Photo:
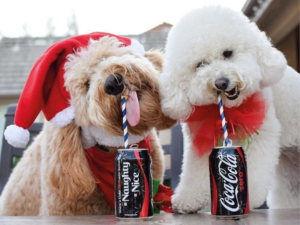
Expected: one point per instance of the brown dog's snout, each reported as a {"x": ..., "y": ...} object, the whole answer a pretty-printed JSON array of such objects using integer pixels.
[
  {"x": 114, "y": 84},
  {"x": 222, "y": 83}
]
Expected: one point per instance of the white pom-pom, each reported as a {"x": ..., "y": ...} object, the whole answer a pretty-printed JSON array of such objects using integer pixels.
[
  {"x": 137, "y": 47},
  {"x": 63, "y": 118},
  {"x": 16, "y": 136}
]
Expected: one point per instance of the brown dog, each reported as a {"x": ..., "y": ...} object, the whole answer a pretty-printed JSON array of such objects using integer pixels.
[{"x": 54, "y": 176}]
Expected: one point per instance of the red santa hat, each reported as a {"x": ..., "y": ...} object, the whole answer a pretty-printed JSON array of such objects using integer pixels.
[{"x": 44, "y": 89}]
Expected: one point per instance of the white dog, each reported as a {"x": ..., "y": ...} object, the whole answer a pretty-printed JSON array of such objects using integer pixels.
[{"x": 215, "y": 48}]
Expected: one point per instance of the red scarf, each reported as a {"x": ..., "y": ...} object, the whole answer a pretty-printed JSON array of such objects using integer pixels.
[
  {"x": 243, "y": 121},
  {"x": 102, "y": 166}
]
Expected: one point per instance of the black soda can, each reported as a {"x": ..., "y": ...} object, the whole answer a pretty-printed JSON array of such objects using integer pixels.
[
  {"x": 228, "y": 182},
  {"x": 133, "y": 184}
]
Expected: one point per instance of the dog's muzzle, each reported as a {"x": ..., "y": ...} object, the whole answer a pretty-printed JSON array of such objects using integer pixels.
[
  {"x": 114, "y": 84},
  {"x": 222, "y": 84}
]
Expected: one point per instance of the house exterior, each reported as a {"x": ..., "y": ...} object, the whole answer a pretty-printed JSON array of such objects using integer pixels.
[
  {"x": 17, "y": 58},
  {"x": 280, "y": 20}
]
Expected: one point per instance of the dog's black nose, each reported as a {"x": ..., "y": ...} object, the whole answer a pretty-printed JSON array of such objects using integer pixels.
[
  {"x": 114, "y": 84},
  {"x": 222, "y": 83}
]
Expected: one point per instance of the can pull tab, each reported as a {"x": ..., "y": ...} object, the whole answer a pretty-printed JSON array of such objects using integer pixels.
[
  {"x": 229, "y": 143},
  {"x": 134, "y": 146}
]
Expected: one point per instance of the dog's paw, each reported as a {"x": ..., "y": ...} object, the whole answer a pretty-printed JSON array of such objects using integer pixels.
[{"x": 187, "y": 203}]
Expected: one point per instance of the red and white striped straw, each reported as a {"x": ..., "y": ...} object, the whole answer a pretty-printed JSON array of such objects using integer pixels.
[{"x": 226, "y": 138}]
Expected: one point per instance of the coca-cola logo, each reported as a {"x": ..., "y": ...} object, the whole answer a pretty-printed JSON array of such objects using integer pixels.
[{"x": 229, "y": 200}]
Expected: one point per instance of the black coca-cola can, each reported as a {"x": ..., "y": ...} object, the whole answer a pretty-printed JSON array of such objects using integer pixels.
[
  {"x": 228, "y": 182},
  {"x": 133, "y": 184}
]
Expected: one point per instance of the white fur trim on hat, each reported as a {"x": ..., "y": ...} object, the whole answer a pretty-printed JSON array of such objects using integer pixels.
[
  {"x": 93, "y": 135},
  {"x": 137, "y": 47},
  {"x": 64, "y": 117},
  {"x": 88, "y": 139},
  {"x": 16, "y": 136}
]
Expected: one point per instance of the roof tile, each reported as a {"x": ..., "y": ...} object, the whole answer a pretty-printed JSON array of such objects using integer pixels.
[{"x": 19, "y": 54}]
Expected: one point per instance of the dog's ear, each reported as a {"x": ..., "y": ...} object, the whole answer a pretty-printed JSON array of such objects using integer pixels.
[
  {"x": 272, "y": 61},
  {"x": 69, "y": 171},
  {"x": 156, "y": 57}
]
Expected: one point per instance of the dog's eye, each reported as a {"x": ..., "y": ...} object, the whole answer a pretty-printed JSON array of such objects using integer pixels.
[
  {"x": 87, "y": 85},
  {"x": 201, "y": 64},
  {"x": 227, "y": 54}
]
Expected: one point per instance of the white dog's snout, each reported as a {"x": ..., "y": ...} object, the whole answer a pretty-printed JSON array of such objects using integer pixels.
[
  {"x": 234, "y": 80},
  {"x": 222, "y": 83}
]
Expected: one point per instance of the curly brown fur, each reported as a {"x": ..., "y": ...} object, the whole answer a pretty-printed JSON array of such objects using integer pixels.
[
  {"x": 71, "y": 174},
  {"x": 97, "y": 108},
  {"x": 69, "y": 187},
  {"x": 53, "y": 177}
]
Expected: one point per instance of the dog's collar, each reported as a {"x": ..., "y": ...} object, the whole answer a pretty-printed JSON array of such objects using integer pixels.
[{"x": 103, "y": 148}]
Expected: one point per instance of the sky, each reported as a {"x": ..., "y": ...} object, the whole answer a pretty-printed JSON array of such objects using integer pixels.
[{"x": 21, "y": 17}]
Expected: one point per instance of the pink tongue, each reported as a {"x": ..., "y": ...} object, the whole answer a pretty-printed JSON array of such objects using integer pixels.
[{"x": 133, "y": 109}]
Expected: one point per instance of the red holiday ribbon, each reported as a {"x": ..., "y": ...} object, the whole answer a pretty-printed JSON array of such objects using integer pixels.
[{"x": 242, "y": 121}]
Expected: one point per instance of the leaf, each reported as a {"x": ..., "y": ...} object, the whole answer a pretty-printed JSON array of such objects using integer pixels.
[
  {"x": 16, "y": 159},
  {"x": 160, "y": 202},
  {"x": 220, "y": 143},
  {"x": 156, "y": 210},
  {"x": 155, "y": 186},
  {"x": 249, "y": 141},
  {"x": 244, "y": 142}
]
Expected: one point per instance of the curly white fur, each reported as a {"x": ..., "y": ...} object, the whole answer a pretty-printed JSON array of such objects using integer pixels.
[
  {"x": 254, "y": 64},
  {"x": 202, "y": 36}
]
